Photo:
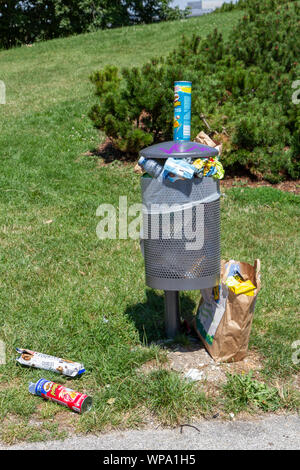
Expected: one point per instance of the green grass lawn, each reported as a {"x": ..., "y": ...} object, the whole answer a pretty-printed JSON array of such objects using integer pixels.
[{"x": 65, "y": 292}]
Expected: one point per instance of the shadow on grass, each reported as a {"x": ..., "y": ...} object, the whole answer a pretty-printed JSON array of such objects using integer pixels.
[
  {"x": 148, "y": 317},
  {"x": 108, "y": 152}
]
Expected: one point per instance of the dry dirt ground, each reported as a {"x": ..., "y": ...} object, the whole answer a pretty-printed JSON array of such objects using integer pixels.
[
  {"x": 183, "y": 358},
  {"x": 289, "y": 186}
]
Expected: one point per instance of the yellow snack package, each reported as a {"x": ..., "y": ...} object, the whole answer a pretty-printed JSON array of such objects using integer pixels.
[
  {"x": 199, "y": 163},
  {"x": 240, "y": 287}
]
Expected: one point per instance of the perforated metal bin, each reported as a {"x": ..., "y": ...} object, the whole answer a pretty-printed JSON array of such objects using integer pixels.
[
  {"x": 181, "y": 243},
  {"x": 174, "y": 213}
]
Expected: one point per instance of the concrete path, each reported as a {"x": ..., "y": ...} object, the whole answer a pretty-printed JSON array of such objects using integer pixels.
[{"x": 272, "y": 432}]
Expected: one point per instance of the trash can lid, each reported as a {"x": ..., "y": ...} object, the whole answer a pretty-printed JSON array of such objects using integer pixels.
[{"x": 179, "y": 149}]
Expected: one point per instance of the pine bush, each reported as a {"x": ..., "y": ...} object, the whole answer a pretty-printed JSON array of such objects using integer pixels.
[{"x": 242, "y": 86}]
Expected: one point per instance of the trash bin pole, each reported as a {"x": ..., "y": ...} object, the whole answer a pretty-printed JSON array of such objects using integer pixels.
[{"x": 172, "y": 313}]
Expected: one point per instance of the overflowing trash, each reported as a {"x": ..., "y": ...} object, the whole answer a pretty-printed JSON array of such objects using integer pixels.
[
  {"x": 178, "y": 168},
  {"x": 52, "y": 391},
  {"x": 205, "y": 160},
  {"x": 183, "y": 168},
  {"x": 54, "y": 364},
  {"x": 237, "y": 283},
  {"x": 209, "y": 167},
  {"x": 152, "y": 167},
  {"x": 225, "y": 313}
]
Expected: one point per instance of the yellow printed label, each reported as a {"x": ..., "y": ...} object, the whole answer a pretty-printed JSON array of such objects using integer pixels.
[{"x": 186, "y": 89}]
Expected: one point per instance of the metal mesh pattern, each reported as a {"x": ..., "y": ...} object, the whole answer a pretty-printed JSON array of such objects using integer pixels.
[
  {"x": 187, "y": 244},
  {"x": 181, "y": 244}
]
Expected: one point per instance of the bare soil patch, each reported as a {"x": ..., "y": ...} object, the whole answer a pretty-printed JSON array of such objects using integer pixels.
[
  {"x": 291, "y": 186},
  {"x": 181, "y": 359}
]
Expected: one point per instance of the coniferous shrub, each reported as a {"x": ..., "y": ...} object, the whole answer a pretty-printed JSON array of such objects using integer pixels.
[{"x": 242, "y": 88}]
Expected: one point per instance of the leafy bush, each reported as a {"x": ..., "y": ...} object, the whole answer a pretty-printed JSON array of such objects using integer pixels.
[{"x": 242, "y": 87}]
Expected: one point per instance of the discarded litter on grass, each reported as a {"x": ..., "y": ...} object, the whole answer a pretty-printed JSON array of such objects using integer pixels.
[
  {"x": 76, "y": 401},
  {"x": 54, "y": 364},
  {"x": 194, "y": 375}
]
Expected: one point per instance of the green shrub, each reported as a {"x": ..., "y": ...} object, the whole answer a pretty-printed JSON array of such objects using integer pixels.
[
  {"x": 120, "y": 112},
  {"x": 242, "y": 86}
]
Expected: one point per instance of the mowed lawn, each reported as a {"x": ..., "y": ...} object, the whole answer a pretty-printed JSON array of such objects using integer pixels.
[{"x": 65, "y": 292}]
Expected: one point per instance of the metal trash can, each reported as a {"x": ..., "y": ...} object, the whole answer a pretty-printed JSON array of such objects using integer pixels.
[{"x": 181, "y": 227}]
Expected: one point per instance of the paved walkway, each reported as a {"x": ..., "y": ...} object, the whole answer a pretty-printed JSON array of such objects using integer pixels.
[{"x": 272, "y": 432}]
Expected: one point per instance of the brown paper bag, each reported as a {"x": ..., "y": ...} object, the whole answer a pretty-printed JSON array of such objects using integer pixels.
[{"x": 223, "y": 321}]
